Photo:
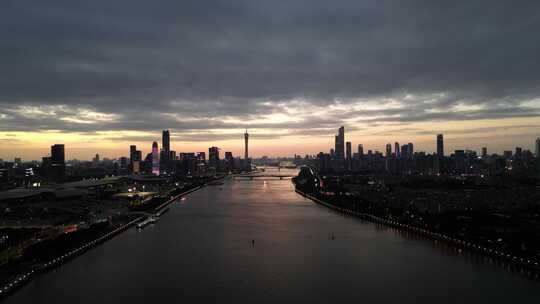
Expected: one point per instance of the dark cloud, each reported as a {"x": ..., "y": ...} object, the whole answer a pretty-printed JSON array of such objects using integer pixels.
[{"x": 217, "y": 61}]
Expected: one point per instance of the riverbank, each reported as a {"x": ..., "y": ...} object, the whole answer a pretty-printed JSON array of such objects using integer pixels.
[
  {"x": 532, "y": 267},
  {"x": 27, "y": 275}
]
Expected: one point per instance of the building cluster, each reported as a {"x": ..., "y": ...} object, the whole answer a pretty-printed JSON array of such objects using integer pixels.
[
  {"x": 403, "y": 159},
  {"x": 159, "y": 162}
]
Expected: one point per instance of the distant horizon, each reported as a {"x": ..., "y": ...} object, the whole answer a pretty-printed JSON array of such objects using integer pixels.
[{"x": 76, "y": 152}]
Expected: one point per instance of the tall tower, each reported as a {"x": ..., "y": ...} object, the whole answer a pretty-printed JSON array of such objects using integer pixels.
[
  {"x": 537, "y": 147},
  {"x": 166, "y": 142},
  {"x": 396, "y": 150},
  {"x": 246, "y": 151},
  {"x": 340, "y": 143},
  {"x": 440, "y": 145},
  {"x": 155, "y": 158}
]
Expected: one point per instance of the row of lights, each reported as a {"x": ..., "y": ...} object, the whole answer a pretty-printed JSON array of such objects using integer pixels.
[
  {"x": 485, "y": 249},
  {"x": 26, "y": 276}
]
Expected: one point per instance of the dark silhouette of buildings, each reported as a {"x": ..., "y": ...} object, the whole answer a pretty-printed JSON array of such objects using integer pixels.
[
  {"x": 340, "y": 143},
  {"x": 57, "y": 169},
  {"x": 440, "y": 145},
  {"x": 213, "y": 157},
  {"x": 246, "y": 152},
  {"x": 166, "y": 142}
]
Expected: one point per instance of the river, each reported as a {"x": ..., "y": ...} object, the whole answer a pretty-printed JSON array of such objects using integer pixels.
[{"x": 202, "y": 251}]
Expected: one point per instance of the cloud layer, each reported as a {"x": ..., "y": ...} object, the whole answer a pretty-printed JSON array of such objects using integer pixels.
[{"x": 280, "y": 68}]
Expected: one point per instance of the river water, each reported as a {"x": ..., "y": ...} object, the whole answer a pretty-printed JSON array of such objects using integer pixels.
[{"x": 202, "y": 251}]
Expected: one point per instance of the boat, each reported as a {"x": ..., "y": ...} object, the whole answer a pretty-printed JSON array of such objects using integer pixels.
[{"x": 148, "y": 220}]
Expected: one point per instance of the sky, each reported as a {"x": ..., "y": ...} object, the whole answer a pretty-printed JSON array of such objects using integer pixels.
[{"x": 101, "y": 75}]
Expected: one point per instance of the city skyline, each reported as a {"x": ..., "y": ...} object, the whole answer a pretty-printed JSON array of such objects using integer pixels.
[
  {"x": 300, "y": 151},
  {"x": 428, "y": 145}
]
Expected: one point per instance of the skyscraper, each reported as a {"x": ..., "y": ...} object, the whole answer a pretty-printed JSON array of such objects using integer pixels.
[
  {"x": 484, "y": 151},
  {"x": 58, "y": 154},
  {"x": 340, "y": 143},
  {"x": 229, "y": 160},
  {"x": 246, "y": 139},
  {"x": 58, "y": 163},
  {"x": 360, "y": 150},
  {"x": 135, "y": 159},
  {"x": 213, "y": 157},
  {"x": 349, "y": 150},
  {"x": 440, "y": 145},
  {"x": 388, "y": 150},
  {"x": 537, "y": 147},
  {"x": 166, "y": 142},
  {"x": 155, "y": 158},
  {"x": 132, "y": 150},
  {"x": 396, "y": 150},
  {"x": 410, "y": 150},
  {"x": 405, "y": 151}
]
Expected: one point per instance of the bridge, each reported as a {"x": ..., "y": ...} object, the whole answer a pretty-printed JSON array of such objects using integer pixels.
[{"x": 263, "y": 176}]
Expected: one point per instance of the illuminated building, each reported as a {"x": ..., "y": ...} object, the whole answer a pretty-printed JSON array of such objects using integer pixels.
[{"x": 155, "y": 159}]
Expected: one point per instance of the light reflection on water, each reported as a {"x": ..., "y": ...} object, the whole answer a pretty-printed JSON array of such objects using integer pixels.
[{"x": 202, "y": 251}]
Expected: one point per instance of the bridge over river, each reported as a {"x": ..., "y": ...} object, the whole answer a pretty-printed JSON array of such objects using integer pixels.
[{"x": 257, "y": 241}]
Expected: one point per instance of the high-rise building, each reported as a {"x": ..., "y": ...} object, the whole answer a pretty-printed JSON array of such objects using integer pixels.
[
  {"x": 132, "y": 150},
  {"x": 396, "y": 150},
  {"x": 58, "y": 154},
  {"x": 405, "y": 151},
  {"x": 340, "y": 143},
  {"x": 484, "y": 151},
  {"x": 349, "y": 150},
  {"x": 213, "y": 157},
  {"x": 410, "y": 150},
  {"x": 58, "y": 163},
  {"x": 229, "y": 160},
  {"x": 155, "y": 158},
  {"x": 537, "y": 147},
  {"x": 246, "y": 140},
  {"x": 440, "y": 145},
  {"x": 166, "y": 141},
  {"x": 360, "y": 150},
  {"x": 388, "y": 150}
]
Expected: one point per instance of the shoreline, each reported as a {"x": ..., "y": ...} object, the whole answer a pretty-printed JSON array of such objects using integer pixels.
[
  {"x": 496, "y": 254},
  {"x": 22, "y": 279}
]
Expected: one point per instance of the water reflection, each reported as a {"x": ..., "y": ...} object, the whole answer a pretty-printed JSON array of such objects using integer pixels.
[{"x": 202, "y": 250}]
